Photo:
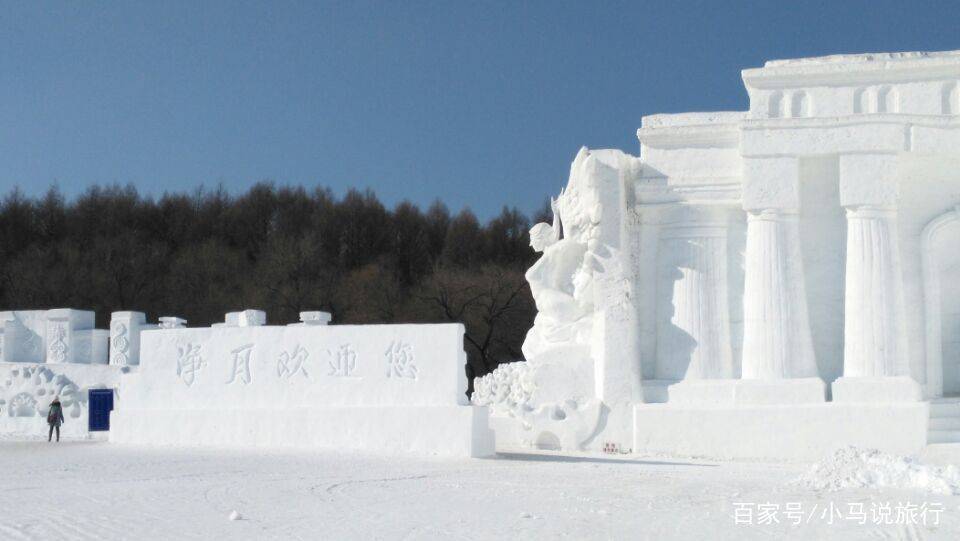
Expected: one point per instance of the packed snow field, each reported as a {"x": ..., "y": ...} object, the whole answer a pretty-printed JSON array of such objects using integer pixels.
[{"x": 97, "y": 490}]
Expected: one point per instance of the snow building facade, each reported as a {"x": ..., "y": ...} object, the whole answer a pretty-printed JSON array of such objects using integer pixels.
[{"x": 767, "y": 282}]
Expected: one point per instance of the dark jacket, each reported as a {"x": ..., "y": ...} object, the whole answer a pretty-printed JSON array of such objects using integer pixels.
[{"x": 55, "y": 416}]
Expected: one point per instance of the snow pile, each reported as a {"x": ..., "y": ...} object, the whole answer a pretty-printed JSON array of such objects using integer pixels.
[{"x": 851, "y": 467}]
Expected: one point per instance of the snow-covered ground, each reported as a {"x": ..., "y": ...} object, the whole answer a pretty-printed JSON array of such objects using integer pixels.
[{"x": 95, "y": 490}]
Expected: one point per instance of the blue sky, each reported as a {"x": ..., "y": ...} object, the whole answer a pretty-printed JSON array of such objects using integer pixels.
[{"x": 478, "y": 104}]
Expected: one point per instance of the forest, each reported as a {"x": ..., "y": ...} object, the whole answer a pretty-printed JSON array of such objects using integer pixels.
[{"x": 279, "y": 249}]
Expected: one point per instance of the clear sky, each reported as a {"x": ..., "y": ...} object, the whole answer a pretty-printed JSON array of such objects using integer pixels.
[{"x": 479, "y": 104}]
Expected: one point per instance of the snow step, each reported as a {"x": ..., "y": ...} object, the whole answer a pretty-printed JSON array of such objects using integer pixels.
[
  {"x": 945, "y": 409},
  {"x": 941, "y": 454},
  {"x": 943, "y": 436},
  {"x": 945, "y": 423}
]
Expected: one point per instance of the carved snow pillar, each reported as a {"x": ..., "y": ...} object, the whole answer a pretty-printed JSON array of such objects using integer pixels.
[
  {"x": 125, "y": 330},
  {"x": 777, "y": 343},
  {"x": 614, "y": 334},
  {"x": 776, "y": 337},
  {"x": 61, "y": 324},
  {"x": 874, "y": 341},
  {"x": 693, "y": 326},
  {"x": 875, "y": 362}
]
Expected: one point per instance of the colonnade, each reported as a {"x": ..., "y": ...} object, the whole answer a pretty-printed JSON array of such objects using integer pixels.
[{"x": 693, "y": 329}]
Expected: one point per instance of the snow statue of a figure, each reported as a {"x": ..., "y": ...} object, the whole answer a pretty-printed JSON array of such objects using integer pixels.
[
  {"x": 563, "y": 308},
  {"x": 576, "y": 282},
  {"x": 773, "y": 282}
]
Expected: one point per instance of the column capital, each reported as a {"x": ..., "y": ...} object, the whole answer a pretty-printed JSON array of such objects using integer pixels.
[
  {"x": 771, "y": 183},
  {"x": 855, "y": 212},
  {"x": 772, "y": 214},
  {"x": 869, "y": 180}
]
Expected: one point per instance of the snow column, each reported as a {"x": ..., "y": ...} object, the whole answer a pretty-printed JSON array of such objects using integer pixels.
[
  {"x": 615, "y": 343},
  {"x": 125, "y": 330},
  {"x": 693, "y": 329},
  {"x": 874, "y": 314},
  {"x": 62, "y": 325},
  {"x": 875, "y": 361},
  {"x": 614, "y": 340},
  {"x": 777, "y": 343}
]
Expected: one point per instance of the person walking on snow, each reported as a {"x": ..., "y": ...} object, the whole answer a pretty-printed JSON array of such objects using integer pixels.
[{"x": 55, "y": 418}]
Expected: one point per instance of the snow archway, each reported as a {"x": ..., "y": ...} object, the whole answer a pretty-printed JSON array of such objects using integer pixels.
[{"x": 941, "y": 252}]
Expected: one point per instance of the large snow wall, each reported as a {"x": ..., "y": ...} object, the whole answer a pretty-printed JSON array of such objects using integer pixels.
[{"x": 380, "y": 388}]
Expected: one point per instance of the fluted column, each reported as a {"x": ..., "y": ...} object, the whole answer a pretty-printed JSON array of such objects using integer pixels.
[
  {"x": 693, "y": 331},
  {"x": 777, "y": 343},
  {"x": 875, "y": 362},
  {"x": 874, "y": 336}
]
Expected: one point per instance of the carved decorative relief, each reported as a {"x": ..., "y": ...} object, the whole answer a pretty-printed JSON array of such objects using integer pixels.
[
  {"x": 23, "y": 405},
  {"x": 58, "y": 343},
  {"x": 120, "y": 344},
  {"x": 26, "y": 391}
]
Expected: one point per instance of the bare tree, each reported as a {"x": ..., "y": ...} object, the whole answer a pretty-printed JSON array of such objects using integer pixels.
[{"x": 493, "y": 303}]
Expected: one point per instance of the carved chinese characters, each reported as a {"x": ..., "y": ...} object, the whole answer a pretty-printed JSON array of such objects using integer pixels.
[
  {"x": 189, "y": 362},
  {"x": 297, "y": 363},
  {"x": 400, "y": 361},
  {"x": 291, "y": 363},
  {"x": 343, "y": 361},
  {"x": 240, "y": 358}
]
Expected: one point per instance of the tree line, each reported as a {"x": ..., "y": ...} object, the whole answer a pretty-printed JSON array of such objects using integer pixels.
[{"x": 279, "y": 249}]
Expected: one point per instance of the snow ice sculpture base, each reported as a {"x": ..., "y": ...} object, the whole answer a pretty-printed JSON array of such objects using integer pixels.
[
  {"x": 736, "y": 392},
  {"x": 876, "y": 390},
  {"x": 800, "y": 432}
]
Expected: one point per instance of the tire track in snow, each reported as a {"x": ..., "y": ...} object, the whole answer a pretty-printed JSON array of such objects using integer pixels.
[{"x": 330, "y": 488}]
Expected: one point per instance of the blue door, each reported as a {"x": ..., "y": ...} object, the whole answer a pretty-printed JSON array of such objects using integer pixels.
[{"x": 100, "y": 403}]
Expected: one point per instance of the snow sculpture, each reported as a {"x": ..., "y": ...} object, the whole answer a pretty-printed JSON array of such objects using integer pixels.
[
  {"x": 508, "y": 390},
  {"x": 560, "y": 282},
  {"x": 26, "y": 391},
  {"x": 60, "y": 335},
  {"x": 578, "y": 283},
  {"x": 50, "y": 353},
  {"x": 705, "y": 293},
  {"x": 22, "y": 336}
]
